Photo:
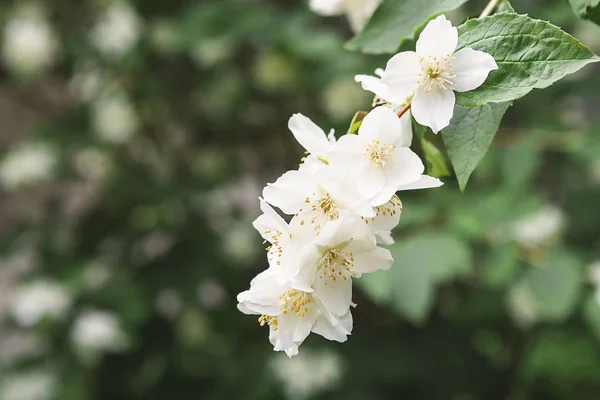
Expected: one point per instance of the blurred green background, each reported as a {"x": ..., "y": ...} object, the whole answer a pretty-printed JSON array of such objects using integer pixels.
[{"x": 135, "y": 139}]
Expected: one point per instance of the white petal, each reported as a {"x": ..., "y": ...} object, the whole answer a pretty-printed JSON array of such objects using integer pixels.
[
  {"x": 292, "y": 330},
  {"x": 471, "y": 68},
  {"x": 346, "y": 155},
  {"x": 438, "y": 39},
  {"x": 290, "y": 190},
  {"x": 382, "y": 124},
  {"x": 327, "y": 7},
  {"x": 402, "y": 74},
  {"x": 425, "y": 182},
  {"x": 403, "y": 168},
  {"x": 335, "y": 294},
  {"x": 308, "y": 134},
  {"x": 376, "y": 259},
  {"x": 312, "y": 165},
  {"x": 369, "y": 180},
  {"x": 338, "y": 332},
  {"x": 373, "y": 84},
  {"x": 407, "y": 132},
  {"x": 384, "y": 195},
  {"x": 433, "y": 109}
]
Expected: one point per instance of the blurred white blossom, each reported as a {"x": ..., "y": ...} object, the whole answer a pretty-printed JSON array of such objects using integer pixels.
[
  {"x": 168, "y": 302},
  {"x": 92, "y": 164},
  {"x": 88, "y": 82},
  {"x": 117, "y": 31},
  {"x": 97, "y": 331},
  {"x": 594, "y": 277},
  {"x": 239, "y": 243},
  {"x": 307, "y": 374},
  {"x": 539, "y": 228},
  {"x": 34, "y": 385},
  {"x": 29, "y": 45},
  {"x": 27, "y": 164},
  {"x": 212, "y": 293},
  {"x": 114, "y": 118},
  {"x": 357, "y": 11},
  {"x": 96, "y": 274},
  {"x": 342, "y": 96},
  {"x": 522, "y": 306},
  {"x": 17, "y": 345},
  {"x": 210, "y": 52},
  {"x": 36, "y": 300}
]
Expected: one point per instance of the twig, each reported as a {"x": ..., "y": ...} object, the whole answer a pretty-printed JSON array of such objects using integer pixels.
[
  {"x": 489, "y": 8},
  {"x": 404, "y": 109}
]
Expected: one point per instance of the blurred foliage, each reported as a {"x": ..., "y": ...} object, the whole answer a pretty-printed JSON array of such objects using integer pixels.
[{"x": 142, "y": 163}]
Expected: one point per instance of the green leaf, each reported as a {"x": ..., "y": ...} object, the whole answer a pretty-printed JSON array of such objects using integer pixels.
[
  {"x": 356, "y": 122},
  {"x": 396, "y": 21},
  {"x": 419, "y": 265},
  {"x": 591, "y": 314},
  {"x": 531, "y": 54},
  {"x": 435, "y": 161},
  {"x": 587, "y": 9},
  {"x": 469, "y": 136},
  {"x": 554, "y": 287}
]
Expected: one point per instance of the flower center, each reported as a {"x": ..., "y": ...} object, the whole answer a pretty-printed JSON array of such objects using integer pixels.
[
  {"x": 391, "y": 208},
  {"x": 436, "y": 73},
  {"x": 324, "y": 206},
  {"x": 295, "y": 301},
  {"x": 268, "y": 320},
  {"x": 275, "y": 250},
  {"x": 327, "y": 206},
  {"x": 336, "y": 263},
  {"x": 379, "y": 153}
]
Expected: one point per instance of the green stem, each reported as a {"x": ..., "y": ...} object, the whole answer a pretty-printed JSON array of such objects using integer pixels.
[{"x": 489, "y": 8}]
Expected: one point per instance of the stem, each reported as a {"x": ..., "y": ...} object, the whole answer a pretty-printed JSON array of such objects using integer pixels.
[
  {"x": 489, "y": 8},
  {"x": 404, "y": 109},
  {"x": 486, "y": 11}
]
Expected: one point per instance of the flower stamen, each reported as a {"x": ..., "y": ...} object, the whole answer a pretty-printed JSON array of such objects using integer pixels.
[
  {"x": 336, "y": 263},
  {"x": 378, "y": 153}
]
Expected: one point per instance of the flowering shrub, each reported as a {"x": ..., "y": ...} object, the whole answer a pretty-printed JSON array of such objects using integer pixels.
[
  {"x": 343, "y": 199},
  {"x": 138, "y": 136}
]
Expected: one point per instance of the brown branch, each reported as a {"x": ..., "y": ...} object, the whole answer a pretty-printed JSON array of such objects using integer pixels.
[{"x": 404, "y": 109}]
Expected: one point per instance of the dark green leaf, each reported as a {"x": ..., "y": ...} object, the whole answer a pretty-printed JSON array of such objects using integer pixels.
[
  {"x": 531, "y": 54},
  {"x": 469, "y": 136},
  {"x": 396, "y": 21}
]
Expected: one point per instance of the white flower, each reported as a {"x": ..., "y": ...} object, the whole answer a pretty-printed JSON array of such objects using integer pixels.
[
  {"x": 34, "y": 301},
  {"x": 378, "y": 160},
  {"x": 33, "y": 385},
  {"x": 538, "y": 228},
  {"x": 96, "y": 331},
  {"x": 375, "y": 85},
  {"x": 308, "y": 374},
  {"x": 435, "y": 71},
  {"x": 357, "y": 11},
  {"x": 387, "y": 217},
  {"x": 28, "y": 164},
  {"x": 313, "y": 139},
  {"x": 282, "y": 251},
  {"x": 340, "y": 252},
  {"x": 290, "y": 313},
  {"x": 29, "y": 45},
  {"x": 117, "y": 31},
  {"x": 316, "y": 199},
  {"x": 382, "y": 91},
  {"x": 114, "y": 118}
]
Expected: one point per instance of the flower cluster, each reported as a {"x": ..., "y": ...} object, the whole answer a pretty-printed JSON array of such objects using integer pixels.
[{"x": 342, "y": 200}]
